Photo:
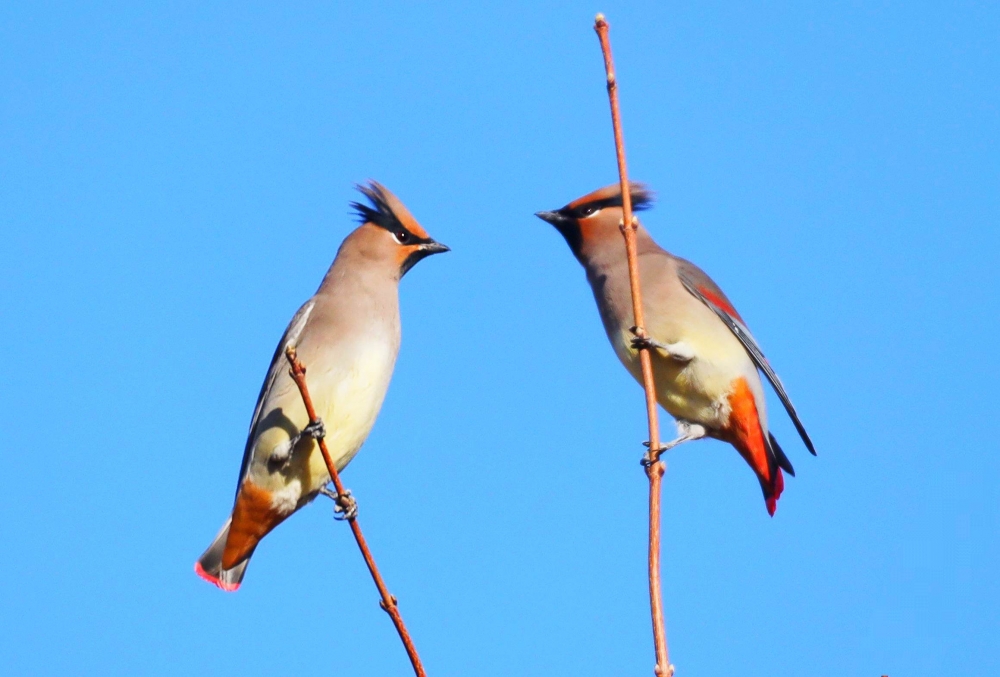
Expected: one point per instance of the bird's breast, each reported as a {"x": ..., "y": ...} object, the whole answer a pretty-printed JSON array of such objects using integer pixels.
[{"x": 350, "y": 395}]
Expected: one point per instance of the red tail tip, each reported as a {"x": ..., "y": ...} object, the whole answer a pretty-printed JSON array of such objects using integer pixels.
[
  {"x": 228, "y": 587},
  {"x": 776, "y": 488}
]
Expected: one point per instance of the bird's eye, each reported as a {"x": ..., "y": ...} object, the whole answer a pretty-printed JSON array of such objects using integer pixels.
[
  {"x": 402, "y": 237},
  {"x": 589, "y": 210}
]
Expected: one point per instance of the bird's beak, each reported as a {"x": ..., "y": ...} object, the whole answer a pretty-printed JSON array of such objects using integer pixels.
[
  {"x": 433, "y": 247},
  {"x": 421, "y": 252},
  {"x": 555, "y": 218}
]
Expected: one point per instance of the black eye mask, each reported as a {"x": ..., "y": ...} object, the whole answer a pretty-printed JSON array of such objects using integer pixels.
[
  {"x": 381, "y": 214},
  {"x": 640, "y": 200}
]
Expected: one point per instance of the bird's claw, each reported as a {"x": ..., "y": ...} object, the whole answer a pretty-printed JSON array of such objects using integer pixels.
[
  {"x": 345, "y": 507},
  {"x": 651, "y": 456},
  {"x": 642, "y": 342},
  {"x": 315, "y": 430},
  {"x": 639, "y": 340},
  {"x": 649, "y": 460},
  {"x": 686, "y": 432}
]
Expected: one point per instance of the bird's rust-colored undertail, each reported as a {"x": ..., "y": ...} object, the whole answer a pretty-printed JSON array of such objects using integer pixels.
[
  {"x": 253, "y": 518},
  {"x": 744, "y": 432}
]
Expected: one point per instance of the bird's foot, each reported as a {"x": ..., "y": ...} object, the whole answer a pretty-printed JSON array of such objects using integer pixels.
[
  {"x": 642, "y": 342},
  {"x": 651, "y": 456},
  {"x": 315, "y": 430},
  {"x": 686, "y": 432},
  {"x": 679, "y": 352},
  {"x": 345, "y": 507}
]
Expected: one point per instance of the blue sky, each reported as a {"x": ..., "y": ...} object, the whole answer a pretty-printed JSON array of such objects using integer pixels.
[{"x": 174, "y": 180}]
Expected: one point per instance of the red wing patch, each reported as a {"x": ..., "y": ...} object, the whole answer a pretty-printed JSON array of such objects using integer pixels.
[{"x": 718, "y": 300}]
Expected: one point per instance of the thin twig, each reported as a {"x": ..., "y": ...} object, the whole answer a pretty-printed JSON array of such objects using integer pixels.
[
  {"x": 654, "y": 467},
  {"x": 388, "y": 602}
]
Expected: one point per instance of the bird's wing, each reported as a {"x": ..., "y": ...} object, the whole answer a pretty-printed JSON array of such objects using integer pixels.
[
  {"x": 278, "y": 362},
  {"x": 704, "y": 289}
]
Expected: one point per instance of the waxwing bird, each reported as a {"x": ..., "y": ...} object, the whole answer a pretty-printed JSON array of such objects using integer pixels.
[
  {"x": 347, "y": 335},
  {"x": 705, "y": 361}
]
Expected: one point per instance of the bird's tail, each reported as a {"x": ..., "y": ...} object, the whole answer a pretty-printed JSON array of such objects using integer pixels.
[
  {"x": 759, "y": 449},
  {"x": 209, "y": 565},
  {"x": 759, "y": 457},
  {"x": 777, "y": 462},
  {"x": 772, "y": 491}
]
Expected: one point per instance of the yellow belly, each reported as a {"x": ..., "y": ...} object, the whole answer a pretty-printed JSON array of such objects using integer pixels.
[
  {"x": 694, "y": 391},
  {"x": 348, "y": 401}
]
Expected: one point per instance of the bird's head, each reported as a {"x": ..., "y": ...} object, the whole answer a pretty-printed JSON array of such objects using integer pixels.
[
  {"x": 389, "y": 233},
  {"x": 594, "y": 219}
]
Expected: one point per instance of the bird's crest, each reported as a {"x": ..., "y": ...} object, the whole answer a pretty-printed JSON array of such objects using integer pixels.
[
  {"x": 386, "y": 211},
  {"x": 611, "y": 196}
]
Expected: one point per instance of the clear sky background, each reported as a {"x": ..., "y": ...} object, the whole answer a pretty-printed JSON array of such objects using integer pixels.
[{"x": 174, "y": 180}]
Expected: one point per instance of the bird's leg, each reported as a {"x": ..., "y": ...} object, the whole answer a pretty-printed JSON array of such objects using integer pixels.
[
  {"x": 679, "y": 352},
  {"x": 345, "y": 507},
  {"x": 686, "y": 432}
]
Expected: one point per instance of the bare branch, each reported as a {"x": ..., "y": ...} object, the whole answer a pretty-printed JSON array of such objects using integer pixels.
[
  {"x": 654, "y": 467},
  {"x": 388, "y": 601}
]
